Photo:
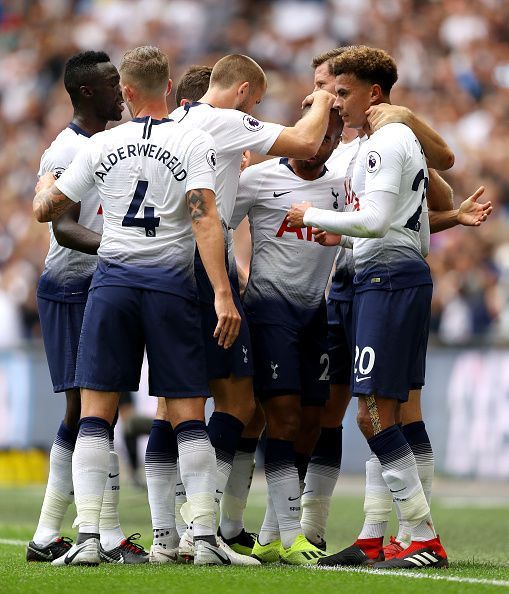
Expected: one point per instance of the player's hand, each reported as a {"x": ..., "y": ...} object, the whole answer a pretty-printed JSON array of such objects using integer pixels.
[
  {"x": 385, "y": 113},
  {"x": 472, "y": 213},
  {"x": 325, "y": 238},
  {"x": 246, "y": 160},
  {"x": 228, "y": 320},
  {"x": 45, "y": 182},
  {"x": 296, "y": 214},
  {"x": 319, "y": 95}
]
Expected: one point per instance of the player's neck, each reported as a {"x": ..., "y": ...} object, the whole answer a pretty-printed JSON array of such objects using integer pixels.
[
  {"x": 89, "y": 122},
  {"x": 219, "y": 98},
  {"x": 155, "y": 109},
  {"x": 305, "y": 172}
]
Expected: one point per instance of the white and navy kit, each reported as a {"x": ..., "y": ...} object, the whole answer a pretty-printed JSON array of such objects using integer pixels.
[
  {"x": 393, "y": 284},
  {"x": 143, "y": 291},
  {"x": 63, "y": 287},
  {"x": 284, "y": 298},
  {"x": 233, "y": 132},
  {"x": 340, "y": 297}
]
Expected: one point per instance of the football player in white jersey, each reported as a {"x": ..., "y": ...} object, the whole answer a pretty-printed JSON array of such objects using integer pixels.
[
  {"x": 156, "y": 184},
  {"x": 392, "y": 296},
  {"x": 92, "y": 83},
  {"x": 237, "y": 84},
  {"x": 325, "y": 462},
  {"x": 165, "y": 498},
  {"x": 284, "y": 303}
]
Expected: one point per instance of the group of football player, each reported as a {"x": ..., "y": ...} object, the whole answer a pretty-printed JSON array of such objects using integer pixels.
[{"x": 142, "y": 260}]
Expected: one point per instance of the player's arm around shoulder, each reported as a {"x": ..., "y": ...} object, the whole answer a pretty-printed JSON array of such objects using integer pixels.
[
  {"x": 437, "y": 152},
  {"x": 54, "y": 197},
  {"x": 49, "y": 202},
  {"x": 70, "y": 234}
]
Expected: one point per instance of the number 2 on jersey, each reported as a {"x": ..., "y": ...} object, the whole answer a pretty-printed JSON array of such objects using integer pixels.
[{"x": 149, "y": 222}]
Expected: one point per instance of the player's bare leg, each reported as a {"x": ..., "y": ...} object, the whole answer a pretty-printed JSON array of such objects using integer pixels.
[
  {"x": 324, "y": 466},
  {"x": 234, "y": 500}
]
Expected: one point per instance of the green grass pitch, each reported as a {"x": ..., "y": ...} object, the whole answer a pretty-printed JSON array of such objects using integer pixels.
[{"x": 476, "y": 538}]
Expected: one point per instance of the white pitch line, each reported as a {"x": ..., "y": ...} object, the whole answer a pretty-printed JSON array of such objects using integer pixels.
[
  {"x": 14, "y": 543},
  {"x": 416, "y": 576}
]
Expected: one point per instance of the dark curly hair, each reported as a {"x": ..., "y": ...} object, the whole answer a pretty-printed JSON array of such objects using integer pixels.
[{"x": 370, "y": 64}]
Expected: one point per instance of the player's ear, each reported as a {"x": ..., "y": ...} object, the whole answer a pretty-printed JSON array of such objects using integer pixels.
[
  {"x": 86, "y": 91},
  {"x": 377, "y": 95},
  {"x": 243, "y": 88},
  {"x": 127, "y": 92},
  {"x": 169, "y": 87}
]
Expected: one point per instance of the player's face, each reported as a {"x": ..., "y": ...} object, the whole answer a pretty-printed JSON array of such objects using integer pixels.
[
  {"x": 251, "y": 100},
  {"x": 107, "y": 95},
  {"x": 323, "y": 79},
  {"x": 353, "y": 98},
  {"x": 329, "y": 143}
]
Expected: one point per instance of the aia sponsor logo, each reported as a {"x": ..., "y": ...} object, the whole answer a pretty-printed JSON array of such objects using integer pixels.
[
  {"x": 305, "y": 233},
  {"x": 350, "y": 196}
]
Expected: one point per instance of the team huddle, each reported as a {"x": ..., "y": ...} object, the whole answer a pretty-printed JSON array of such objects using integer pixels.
[{"x": 142, "y": 260}]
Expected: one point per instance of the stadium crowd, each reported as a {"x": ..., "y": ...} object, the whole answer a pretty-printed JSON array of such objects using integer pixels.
[{"x": 453, "y": 60}]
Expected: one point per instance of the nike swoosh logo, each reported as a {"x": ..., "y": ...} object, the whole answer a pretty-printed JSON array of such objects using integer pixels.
[
  {"x": 113, "y": 475},
  {"x": 223, "y": 558},
  {"x": 398, "y": 491},
  {"x": 278, "y": 194},
  {"x": 68, "y": 558},
  {"x": 295, "y": 498},
  {"x": 362, "y": 379}
]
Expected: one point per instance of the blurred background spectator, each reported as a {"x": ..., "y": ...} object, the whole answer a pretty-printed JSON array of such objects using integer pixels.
[{"x": 453, "y": 58}]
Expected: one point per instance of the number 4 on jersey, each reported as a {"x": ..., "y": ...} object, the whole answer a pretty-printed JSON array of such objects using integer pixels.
[{"x": 149, "y": 222}]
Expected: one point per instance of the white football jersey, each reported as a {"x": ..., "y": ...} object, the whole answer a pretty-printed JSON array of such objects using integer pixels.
[
  {"x": 142, "y": 171},
  {"x": 391, "y": 160},
  {"x": 67, "y": 269},
  {"x": 341, "y": 163},
  {"x": 289, "y": 270},
  {"x": 233, "y": 132}
]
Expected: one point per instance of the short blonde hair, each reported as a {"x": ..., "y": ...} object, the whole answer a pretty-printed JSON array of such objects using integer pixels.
[
  {"x": 328, "y": 56},
  {"x": 370, "y": 64},
  {"x": 236, "y": 68},
  {"x": 147, "y": 68}
]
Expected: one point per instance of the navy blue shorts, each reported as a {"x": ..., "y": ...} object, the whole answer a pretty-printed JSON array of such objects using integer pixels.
[
  {"x": 290, "y": 361},
  {"x": 339, "y": 318},
  {"x": 238, "y": 359},
  {"x": 61, "y": 327},
  {"x": 120, "y": 322},
  {"x": 391, "y": 331}
]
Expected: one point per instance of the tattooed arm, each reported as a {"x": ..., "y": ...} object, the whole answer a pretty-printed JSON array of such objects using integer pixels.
[
  {"x": 49, "y": 202},
  {"x": 210, "y": 240}
]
